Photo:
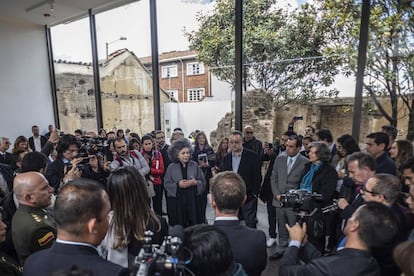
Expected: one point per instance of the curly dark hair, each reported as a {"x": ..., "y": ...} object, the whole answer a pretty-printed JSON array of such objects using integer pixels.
[{"x": 176, "y": 147}]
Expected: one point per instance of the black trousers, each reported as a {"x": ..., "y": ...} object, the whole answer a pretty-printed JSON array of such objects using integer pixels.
[
  {"x": 157, "y": 199},
  {"x": 248, "y": 211},
  {"x": 271, "y": 216}
]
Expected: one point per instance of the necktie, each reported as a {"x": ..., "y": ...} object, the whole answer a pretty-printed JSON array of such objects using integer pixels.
[{"x": 290, "y": 163}]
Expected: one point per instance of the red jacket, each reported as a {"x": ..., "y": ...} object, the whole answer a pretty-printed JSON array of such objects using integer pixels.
[{"x": 156, "y": 165}]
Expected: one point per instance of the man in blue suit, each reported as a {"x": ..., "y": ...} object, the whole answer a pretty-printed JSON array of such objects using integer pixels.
[
  {"x": 81, "y": 213},
  {"x": 228, "y": 193}
]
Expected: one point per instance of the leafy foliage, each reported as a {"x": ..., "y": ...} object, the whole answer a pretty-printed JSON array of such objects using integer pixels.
[
  {"x": 282, "y": 51},
  {"x": 390, "y": 57}
]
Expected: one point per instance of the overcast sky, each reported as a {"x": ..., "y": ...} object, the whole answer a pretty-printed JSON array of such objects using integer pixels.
[{"x": 72, "y": 42}]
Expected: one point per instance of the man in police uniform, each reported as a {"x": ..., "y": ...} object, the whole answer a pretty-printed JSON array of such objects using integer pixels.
[{"x": 33, "y": 229}]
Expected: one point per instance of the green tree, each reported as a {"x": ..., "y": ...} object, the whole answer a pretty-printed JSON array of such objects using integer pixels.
[
  {"x": 390, "y": 58},
  {"x": 282, "y": 51}
]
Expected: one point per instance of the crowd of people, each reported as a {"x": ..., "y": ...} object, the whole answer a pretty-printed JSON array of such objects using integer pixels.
[{"x": 89, "y": 201}]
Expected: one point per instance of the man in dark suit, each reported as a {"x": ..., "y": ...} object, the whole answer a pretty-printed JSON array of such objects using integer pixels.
[
  {"x": 5, "y": 157},
  {"x": 37, "y": 141},
  {"x": 228, "y": 192},
  {"x": 361, "y": 166},
  {"x": 377, "y": 144},
  {"x": 386, "y": 189},
  {"x": 67, "y": 151},
  {"x": 246, "y": 163},
  {"x": 325, "y": 135},
  {"x": 250, "y": 142},
  {"x": 370, "y": 226},
  {"x": 81, "y": 212},
  {"x": 288, "y": 171}
]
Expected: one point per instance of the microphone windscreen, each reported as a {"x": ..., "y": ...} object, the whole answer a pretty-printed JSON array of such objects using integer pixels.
[{"x": 177, "y": 231}]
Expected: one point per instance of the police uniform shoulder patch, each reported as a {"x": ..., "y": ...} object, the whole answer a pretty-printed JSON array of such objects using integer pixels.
[{"x": 46, "y": 238}]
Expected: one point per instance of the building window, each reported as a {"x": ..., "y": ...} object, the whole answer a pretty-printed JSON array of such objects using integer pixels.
[
  {"x": 195, "y": 95},
  {"x": 169, "y": 71},
  {"x": 173, "y": 94},
  {"x": 195, "y": 69}
]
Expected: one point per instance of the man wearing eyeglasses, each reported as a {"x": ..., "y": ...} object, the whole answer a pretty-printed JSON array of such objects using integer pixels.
[
  {"x": 385, "y": 189},
  {"x": 371, "y": 225},
  {"x": 246, "y": 163},
  {"x": 250, "y": 142}
]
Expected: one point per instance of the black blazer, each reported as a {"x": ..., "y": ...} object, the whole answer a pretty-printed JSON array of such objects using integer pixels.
[
  {"x": 61, "y": 257},
  {"x": 43, "y": 141},
  {"x": 247, "y": 244},
  {"x": 324, "y": 182},
  {"x": 348, "y": 261},
  {"x": 55, "y": 173},
  {"x": 249, "y": 170}
]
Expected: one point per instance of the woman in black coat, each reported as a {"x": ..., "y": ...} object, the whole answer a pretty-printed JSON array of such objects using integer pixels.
[{"x": 321, "y": 178}]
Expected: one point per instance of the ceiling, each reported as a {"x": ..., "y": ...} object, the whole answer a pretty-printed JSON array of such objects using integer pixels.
[{"x": 53, "y": 12}]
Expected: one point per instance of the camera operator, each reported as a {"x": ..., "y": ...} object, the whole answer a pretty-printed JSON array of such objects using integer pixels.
[
  {"x": 97, "y": 169},
  {"x": 372, "y": 225},
  {"x": 64, "y": 168}
]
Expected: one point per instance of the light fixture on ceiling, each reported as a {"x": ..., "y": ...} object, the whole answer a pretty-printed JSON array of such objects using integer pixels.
[{"x": 51, "y": 4}]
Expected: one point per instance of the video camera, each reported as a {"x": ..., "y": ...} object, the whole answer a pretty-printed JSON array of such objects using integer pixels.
[
  {"x": 299, "y": 200},
  {"x": 90, "y": 145},
  {"x": 165, "y": 259}
]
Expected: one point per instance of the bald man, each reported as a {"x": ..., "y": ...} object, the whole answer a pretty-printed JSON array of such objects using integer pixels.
[{"x": 32, "y": 228}]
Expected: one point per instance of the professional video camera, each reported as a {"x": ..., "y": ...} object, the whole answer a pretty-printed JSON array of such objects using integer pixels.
[
  {"x": 165, "y": 259},
  {"x": 93, "y": 145},
  {"x": 299, "y": 200}
]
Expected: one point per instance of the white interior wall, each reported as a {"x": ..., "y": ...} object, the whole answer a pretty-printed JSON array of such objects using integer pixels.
[
  {"x": 24, "y": 79},
  {"x": 202, "y": 115}
]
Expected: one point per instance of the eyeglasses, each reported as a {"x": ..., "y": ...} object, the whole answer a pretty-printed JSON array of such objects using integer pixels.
[{"x": 364, "y": 190}]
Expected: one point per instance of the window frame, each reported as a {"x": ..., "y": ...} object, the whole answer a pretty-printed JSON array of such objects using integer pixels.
[
  {"x": 192, "y": 72},
  {"x": 164, "y": 74},
  {"x": 200, "y": 90}
]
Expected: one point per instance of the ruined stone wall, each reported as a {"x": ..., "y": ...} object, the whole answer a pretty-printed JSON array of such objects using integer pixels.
[
  {"x": 334, "y": 114},
  {"x": 126, "y": 92},
  {"x": 337, "y": 115},
  {"x": 76, "y": 102},
  {"x": 127, "y": 99},
  {"x": 257, "y": 112}
]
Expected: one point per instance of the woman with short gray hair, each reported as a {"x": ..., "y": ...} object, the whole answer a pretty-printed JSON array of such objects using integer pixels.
[{"x": 183, "y": 182}]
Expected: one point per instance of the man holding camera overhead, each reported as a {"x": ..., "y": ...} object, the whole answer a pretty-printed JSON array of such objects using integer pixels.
[
  {"x": 287, "y": 173},
  {"x": 64, "y": 168}
]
